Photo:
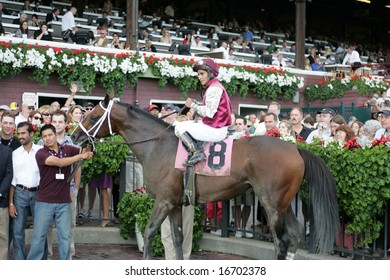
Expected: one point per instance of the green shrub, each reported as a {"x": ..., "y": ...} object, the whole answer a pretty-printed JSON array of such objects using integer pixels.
[
  {"x": 363, "y": 184},
  {"x": 136, "y": 207}
]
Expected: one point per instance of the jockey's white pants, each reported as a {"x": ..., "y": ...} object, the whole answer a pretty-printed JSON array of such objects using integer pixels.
[{"x": 200, "y": 131}]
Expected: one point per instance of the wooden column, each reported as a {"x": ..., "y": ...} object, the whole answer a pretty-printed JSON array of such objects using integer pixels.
[
  {"x": 132, "y": 25},
  {"x": 300, "y": 27}
]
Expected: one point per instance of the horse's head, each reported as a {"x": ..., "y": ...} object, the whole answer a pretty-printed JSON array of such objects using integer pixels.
[{"x": 97, "y": 124}]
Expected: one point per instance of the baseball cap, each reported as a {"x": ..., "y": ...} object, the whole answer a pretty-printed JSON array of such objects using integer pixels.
[
  {"x": 4, "y": 107},
  {"x": 88, "y": 104},
  {"x": 151, "y": 107},
  {"x": 385, "y": 111},
  {"x": 328, "y": 111},
  {"x": 170, "y": 106},
  {"x": 13, "y": 106}
]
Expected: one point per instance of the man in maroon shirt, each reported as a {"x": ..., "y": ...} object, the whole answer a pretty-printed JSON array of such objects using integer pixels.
[{"x": 53, "y": 201}]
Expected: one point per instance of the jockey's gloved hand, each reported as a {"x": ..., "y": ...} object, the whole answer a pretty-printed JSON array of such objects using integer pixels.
[{"x": 188, "y": 103}]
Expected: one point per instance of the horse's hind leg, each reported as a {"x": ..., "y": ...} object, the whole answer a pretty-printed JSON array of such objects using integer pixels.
[
  {"x": 294, "y": 231},
  {"x": 159, "y": 213},
  {"x": 277, "y": 225}
]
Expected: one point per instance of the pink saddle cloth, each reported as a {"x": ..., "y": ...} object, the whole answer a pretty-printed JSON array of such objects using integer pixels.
[{"x": 218, "y": 162}]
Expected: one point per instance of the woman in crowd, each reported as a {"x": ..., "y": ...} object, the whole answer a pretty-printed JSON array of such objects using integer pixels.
[
  {"x": 104, "y": 186},
  {"x": 356, "y": 126},
  {"x": 22, "y": 31},
  {"x": 343, "y": 134},
  {"x": 43, "y": 33},
  {"x": 91, "y": 38},
  {"x": 285, "y": 128},
  {"x": 116, "y": 44},
  {"x": 166, "y": 37},
  {"x": 35, "y": 118},
  {"x": 286, "y": 131},
  {"x": 148, "y": 47},
  {"x": 187, "y": 39},
  {"x": 45, "y": 112},
  {"x": 369, "y": 128},
  {"x": 75, "y": 114},
  {"x": 34, "y": 22},
  {"x": 307, "y": 65},
  {"x": 336, "y": 121}
]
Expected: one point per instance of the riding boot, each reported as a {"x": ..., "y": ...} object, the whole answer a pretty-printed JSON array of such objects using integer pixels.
[{"x": 195, "y": 147}]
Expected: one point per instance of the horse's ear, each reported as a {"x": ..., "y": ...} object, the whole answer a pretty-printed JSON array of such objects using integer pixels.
[{"x": 108, "y": 97}]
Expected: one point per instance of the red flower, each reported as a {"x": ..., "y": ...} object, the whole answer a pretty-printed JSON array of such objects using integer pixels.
[
  {"x": 352, "y": 144},
  {"x": 35, "y": 127},
  {"x": 141, "y": 190},
  {"x": 273, "y": 133},
  {"x": 246, "y": 135},
  {"x": 300, "y": 139},
  {"x": 382, "y": 141}
]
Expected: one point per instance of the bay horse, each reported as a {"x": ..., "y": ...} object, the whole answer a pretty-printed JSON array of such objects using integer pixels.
[{"x": 274, "y": 169}]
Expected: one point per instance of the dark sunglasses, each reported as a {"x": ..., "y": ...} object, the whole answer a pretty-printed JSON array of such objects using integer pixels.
[
  {"x": 45, "y": 114},
  {"x": 37, "y": 118},
  {"x": 31, "y": 107},
  {"x": 89, "y": 109}
]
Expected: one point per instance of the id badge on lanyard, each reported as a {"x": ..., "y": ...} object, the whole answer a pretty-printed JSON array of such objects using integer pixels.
[{"x": 59, "y": 175}]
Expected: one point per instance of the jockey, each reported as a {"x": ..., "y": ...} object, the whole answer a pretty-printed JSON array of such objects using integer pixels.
[{"x": 215, "y": 112}]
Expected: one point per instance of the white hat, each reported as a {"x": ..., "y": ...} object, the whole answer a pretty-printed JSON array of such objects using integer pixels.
[{"x": 4, "y": 107}]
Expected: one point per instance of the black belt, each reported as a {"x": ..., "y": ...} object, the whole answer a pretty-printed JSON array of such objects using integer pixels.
[{"x": 34, "y": 189}]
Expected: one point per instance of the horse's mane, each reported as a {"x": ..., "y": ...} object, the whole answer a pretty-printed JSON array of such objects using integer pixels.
[{"x": 138, "y": 111}]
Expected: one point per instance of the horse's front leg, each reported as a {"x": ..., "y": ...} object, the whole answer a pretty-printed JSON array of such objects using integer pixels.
[
  {"x": 175, "y": 219},
  {"x": 159, "y": 213}
]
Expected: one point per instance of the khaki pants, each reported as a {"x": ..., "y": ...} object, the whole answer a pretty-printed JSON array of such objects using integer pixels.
[
  {"x": 166, "y": 235},
  {"x": 4, "y": 231}
]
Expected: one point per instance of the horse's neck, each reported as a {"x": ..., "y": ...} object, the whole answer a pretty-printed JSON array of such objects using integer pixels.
[{"x": 143, "y": 140}]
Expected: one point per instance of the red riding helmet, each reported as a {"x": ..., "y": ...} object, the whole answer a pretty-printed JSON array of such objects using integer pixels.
[{"x": 206, "y": 64}]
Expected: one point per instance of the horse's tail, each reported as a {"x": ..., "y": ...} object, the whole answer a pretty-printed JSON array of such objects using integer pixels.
[{"x": 323, "y": 196}]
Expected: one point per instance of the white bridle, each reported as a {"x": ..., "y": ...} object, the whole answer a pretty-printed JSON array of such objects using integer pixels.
[{"x": 98, "y": 124}]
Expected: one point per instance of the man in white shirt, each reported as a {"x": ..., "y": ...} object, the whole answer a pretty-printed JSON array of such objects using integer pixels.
[
  {"x": 223, "y": 49},
  {"x": 196, "y": 43},
  {"x": 273, "y": 107},
  {"x": 352, "y": 57},
  {"x": 68, "y": 21},
  {"x": 23, "y": 115},
  {"x": 24, "y": 189},
  {"x": 323, "y": 132}
]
